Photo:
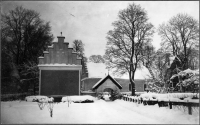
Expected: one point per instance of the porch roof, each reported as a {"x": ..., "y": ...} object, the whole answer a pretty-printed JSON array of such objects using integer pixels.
[{"x": 101, "y": 81}]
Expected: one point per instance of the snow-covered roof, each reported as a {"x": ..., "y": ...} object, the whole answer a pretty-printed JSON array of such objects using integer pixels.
[
  {"x": 96, "y": 69},
  {"x": 101, "y": 81},
  {"x": 98, "y": 82}
]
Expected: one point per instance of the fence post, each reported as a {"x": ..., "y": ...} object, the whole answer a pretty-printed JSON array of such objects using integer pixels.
[
  {"x": 170, "y": 105},
  {"x": 189, "y": 109},
  {"x": 159, "y": 104}
]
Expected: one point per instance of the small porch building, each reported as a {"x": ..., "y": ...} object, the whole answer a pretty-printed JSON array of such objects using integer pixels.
[{"x": 107, "y": 84}]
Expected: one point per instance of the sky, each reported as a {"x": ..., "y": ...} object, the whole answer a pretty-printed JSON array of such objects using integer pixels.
[{"x": 90, "y": 21}]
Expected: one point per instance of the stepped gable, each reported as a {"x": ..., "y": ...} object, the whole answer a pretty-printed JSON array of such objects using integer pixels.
[{"x": 60, "y": 53}]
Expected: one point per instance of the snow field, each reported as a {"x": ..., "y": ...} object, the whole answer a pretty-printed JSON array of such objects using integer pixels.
[
  {"x": 168, "y": 116},
  {"x": 99, "y": 112}
]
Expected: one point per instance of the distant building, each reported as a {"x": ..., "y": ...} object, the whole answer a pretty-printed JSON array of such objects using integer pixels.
[
  {"x": 108, "y": 84},
  {"x": 88, "y": 84}
]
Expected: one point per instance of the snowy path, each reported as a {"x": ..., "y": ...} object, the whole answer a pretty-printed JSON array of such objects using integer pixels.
[
  {"x": 119, "y": 114},
  {"x": 99, "y": 112}
]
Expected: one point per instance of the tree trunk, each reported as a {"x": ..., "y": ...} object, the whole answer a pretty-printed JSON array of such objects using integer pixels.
[
  {"x": 132, "y": 87},
  {"x": 131, "y": 78},
  {"x": 185, "y": 58},
  {"x": 34, "y": 88}
]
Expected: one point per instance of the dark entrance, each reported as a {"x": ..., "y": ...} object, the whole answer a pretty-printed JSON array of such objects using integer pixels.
[
  {"x": 109, "y": 90},
  {"x": 59, "y": 82}
]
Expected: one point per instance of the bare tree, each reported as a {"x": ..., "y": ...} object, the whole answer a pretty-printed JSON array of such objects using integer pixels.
[
  {"x": 180, "y": 34},
  {"x": 157, "y": 63},
  {"x": 96, "y": 59},
  {"x": 24, "y": 38},
  {"x": 78, "y": 47},
  {"x": 149, "y": 56},
  {"x": 131, "y": 31}
]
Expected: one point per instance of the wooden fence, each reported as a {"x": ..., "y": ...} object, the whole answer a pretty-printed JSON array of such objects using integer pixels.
[{"x": 170, "y": 104}]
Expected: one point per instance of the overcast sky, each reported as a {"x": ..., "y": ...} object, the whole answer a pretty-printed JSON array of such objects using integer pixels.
[{"x": 90, "y": 21}]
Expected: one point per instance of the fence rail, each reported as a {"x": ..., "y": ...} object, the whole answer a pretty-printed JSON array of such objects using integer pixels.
[{"x": 189, "y": 105}]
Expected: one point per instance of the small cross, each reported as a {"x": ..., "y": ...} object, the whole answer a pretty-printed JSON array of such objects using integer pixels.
[{"x": 61, "y": 33}]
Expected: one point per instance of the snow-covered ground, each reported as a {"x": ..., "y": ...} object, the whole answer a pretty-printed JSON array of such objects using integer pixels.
[{"x": 99, "y": 112}]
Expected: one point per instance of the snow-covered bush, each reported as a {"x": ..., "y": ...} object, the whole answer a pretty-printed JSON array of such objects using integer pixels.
[
  {"x": 115, "y": 95},
  {"x": 149, "y": 96},
  {"x": 79, "y": 99},
  {"x": 37, "y": 98},
  {"x": 100, "y": 96},
  {"x": 188, "y": 80}
]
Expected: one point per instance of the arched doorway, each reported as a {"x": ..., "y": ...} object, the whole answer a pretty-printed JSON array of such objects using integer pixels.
[{"x": 109, "y": 90}]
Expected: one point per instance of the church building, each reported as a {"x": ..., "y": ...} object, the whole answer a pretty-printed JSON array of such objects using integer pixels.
[{"x": 61, "y": 70}]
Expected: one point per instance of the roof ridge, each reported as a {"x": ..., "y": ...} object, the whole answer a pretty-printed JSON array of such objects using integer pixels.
[{"x": 104, "y": 79}]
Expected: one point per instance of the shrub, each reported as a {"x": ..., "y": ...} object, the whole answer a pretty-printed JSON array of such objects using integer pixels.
[{"x": 115, "y": 95}]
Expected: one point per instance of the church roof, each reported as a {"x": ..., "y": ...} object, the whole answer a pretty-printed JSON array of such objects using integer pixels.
[{"x": 101, "y": 81}]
